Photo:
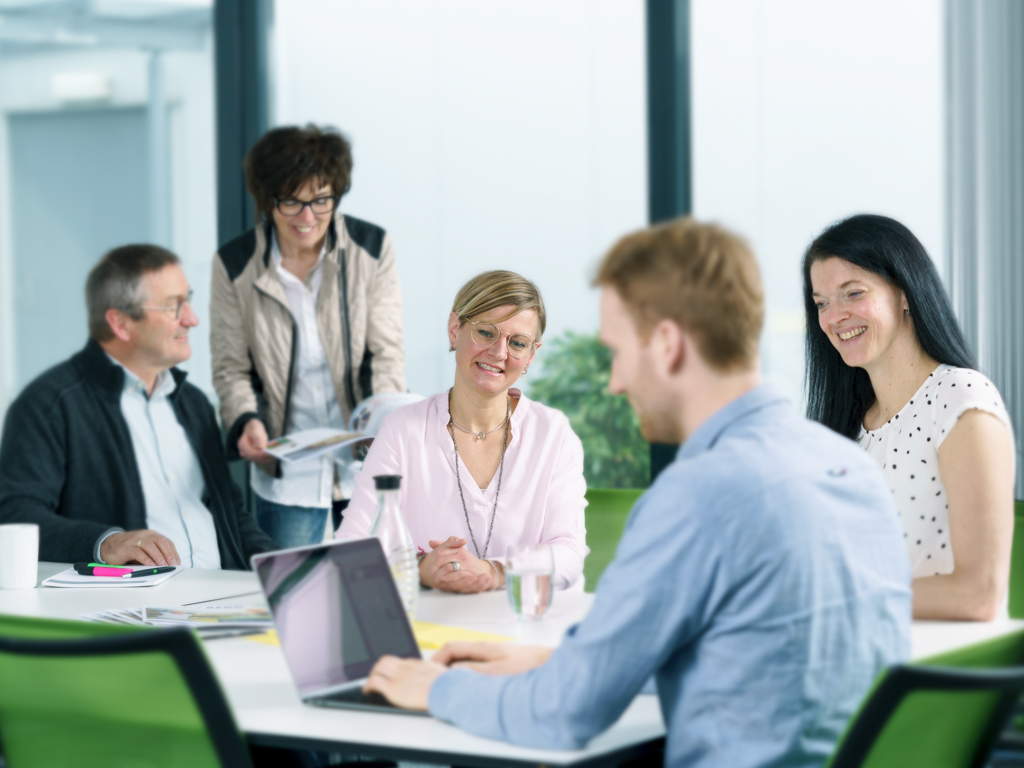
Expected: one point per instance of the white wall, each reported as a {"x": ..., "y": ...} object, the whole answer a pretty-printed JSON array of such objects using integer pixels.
[
  {"x": 485, "y": 135},
  {"x": 805, "y": 112}
]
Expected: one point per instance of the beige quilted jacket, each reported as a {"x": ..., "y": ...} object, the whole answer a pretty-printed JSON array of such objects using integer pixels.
[{"x": 252, "y": 334}]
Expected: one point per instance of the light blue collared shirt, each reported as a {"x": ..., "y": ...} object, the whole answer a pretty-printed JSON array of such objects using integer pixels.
[
  {"x": 172, "y": 479},
  {"x": 762, "y": 581}
]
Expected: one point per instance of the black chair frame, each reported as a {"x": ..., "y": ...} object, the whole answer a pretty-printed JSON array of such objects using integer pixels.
[{"x": 902, "y": 680}]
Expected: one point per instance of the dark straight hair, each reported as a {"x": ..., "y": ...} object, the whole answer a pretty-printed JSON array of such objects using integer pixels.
[{"x": 837, "y": 395}]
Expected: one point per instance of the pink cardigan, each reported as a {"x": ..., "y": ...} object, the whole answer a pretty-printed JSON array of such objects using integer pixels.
[{"x": 541, "y": 490}]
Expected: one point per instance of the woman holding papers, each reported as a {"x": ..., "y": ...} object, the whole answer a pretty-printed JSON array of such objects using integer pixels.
[
  {"x": 306, "y": 321},
  {"x": 888, "y": 366},
  {"x": 483, "y": 467}
]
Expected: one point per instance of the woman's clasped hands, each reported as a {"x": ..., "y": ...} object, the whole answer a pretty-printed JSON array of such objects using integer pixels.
[{"x": 450, "y": 567}]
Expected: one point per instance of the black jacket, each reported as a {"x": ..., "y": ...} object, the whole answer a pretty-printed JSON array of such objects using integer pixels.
[{"x": 67, "y": 463}]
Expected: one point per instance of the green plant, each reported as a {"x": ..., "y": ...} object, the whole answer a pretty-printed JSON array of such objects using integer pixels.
[{"x": 574, "y": 379}]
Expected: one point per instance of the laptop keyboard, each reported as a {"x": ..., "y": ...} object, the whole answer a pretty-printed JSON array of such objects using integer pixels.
[{"x": 355, "y": 696}]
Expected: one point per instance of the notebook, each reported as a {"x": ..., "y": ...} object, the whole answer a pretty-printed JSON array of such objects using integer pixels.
[{"x": 337, "y": 611}]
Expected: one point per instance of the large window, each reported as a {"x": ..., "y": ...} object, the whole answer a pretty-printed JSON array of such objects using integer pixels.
[
  {"x": 106, "y": 138},
  {"x": 807, "y": 112},
  {"x": 485, "y": 135}
]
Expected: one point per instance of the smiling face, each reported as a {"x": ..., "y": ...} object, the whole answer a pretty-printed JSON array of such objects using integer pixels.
[
  {"x": 160, "y": 341},
  {"x": 492, "y": 370},
  {"x": 864, "y": 316},
  {"x": 305, "y": 230}
]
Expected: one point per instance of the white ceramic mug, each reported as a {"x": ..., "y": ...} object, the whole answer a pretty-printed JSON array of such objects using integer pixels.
[{"x": 19, "y": 555}]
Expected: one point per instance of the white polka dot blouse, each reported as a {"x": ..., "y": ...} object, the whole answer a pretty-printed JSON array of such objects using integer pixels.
[{"x": 907, "y": 449}]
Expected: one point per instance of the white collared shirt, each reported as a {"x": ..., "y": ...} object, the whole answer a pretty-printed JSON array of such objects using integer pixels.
[
  {"x": 172, "y": 479},
  {"x": 314, "y": 403}
]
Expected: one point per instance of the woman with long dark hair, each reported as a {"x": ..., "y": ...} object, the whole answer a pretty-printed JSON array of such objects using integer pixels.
[{"x": 888, "y": 366}]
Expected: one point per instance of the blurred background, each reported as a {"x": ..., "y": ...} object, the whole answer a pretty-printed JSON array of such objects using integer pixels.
[{"x": 526, "y": 136}]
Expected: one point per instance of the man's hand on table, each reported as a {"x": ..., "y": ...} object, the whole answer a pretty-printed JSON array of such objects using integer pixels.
[
  {"x": 145, "y": 547},
  {"x": 493, "y": 658},
  {"x": 406, "y": 683},
  {"x": 473, "y": 574}
]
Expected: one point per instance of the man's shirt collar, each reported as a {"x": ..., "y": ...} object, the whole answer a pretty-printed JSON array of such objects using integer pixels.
[
  {"x": 165, "y": 383},
  {"x": 707, "y": 434}
]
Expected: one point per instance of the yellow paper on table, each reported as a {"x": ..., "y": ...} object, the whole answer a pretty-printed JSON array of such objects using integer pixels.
[
  {"x": 265, "y": 638},
  {"x": 429, "y": 637}
]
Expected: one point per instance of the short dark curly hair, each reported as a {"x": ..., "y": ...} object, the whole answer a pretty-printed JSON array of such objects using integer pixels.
[{"x": 286, "y": 158}]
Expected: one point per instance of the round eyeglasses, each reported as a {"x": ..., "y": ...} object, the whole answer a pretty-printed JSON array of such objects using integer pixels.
[
  {"x": 486, "y": 334},
  {"x": 289, "y": 206},
  {"x": 176, "y": 309}
]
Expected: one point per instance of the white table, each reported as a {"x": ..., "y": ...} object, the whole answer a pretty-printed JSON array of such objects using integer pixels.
[
  {"x": 269, "y": 711},
  {"x": 267, "y": 707}
]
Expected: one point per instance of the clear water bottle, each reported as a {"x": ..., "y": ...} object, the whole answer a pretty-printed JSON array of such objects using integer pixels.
[{"x": 396, "y": 541}]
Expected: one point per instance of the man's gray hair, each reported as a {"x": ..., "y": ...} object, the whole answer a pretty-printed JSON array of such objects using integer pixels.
[{"x": 116, "y": 283}]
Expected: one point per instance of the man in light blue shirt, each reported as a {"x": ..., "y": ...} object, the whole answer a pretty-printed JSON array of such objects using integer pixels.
[
  {"x": 172, "y": 479},
  {"x": 761, "y": 580}
]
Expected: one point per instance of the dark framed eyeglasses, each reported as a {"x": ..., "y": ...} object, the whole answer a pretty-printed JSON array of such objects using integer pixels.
[
  {"x": 289, "y": 206},
  {"x": 176, "y": 309},
  {"x": 487, "y": 334}
]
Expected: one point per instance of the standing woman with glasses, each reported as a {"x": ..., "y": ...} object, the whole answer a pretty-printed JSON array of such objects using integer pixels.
[
  {"x": 483, "y": 467},
  {"x": 306, "y": 321}
]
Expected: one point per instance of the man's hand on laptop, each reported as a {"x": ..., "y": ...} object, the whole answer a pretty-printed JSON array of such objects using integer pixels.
[
  {"x": 493, "y": 658},
  {"x": 404, "y": 682},
  {"x": 145, "y": 547}
]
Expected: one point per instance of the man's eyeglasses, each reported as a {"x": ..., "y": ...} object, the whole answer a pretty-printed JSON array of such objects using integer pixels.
[
  {"x": 289, "y": 206},
  {"x": 176, "y": 309},
  {"x": 486, "y": 334}
]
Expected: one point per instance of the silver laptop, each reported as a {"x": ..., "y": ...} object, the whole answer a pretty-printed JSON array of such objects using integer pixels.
[{"x": 337, "y": 611}]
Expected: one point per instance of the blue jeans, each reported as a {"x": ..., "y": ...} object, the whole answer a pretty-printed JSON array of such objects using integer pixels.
[{"x": 291, "y": 526}]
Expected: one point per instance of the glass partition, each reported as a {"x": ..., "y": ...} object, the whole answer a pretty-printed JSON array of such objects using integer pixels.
[
  {"x": 106, "y": 138},
  {"x": 805, "y": 113},
  {"x": 487, "y": 136}
]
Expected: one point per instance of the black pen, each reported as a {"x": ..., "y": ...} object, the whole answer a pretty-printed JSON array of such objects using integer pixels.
[{"x": 148, "y": 571}]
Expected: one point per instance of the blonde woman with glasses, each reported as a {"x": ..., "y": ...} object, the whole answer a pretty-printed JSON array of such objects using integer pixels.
[{"x": 483, "y": 467}]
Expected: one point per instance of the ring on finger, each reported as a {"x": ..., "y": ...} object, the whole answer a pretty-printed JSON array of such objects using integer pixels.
[
  {"x": 139, "y": 545},
  {"x": 456, "y": 566}
]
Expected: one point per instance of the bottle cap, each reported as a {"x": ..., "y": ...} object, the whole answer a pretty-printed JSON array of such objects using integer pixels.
[{"x": 387, "y": 482}]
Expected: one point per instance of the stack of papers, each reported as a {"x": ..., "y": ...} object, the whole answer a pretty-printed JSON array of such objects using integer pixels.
[
  {"x": 73, "y": 579},
  {"x": 210, "y": 620},
  {"x": 310, "y": 443}
]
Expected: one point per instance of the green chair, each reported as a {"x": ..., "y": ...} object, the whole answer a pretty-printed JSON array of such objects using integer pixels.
[
  {"x": 607, "y": 510},
  {"x": 947, "y": 714},
  {"x": 83, "y": 695},
  {"x": 1017, "y": 564}
]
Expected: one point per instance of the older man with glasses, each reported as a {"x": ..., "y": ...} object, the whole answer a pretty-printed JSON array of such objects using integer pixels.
[{"x": 112, "y": 453}]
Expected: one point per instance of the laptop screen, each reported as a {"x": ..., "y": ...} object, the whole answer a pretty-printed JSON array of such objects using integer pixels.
[{"x": 336, "y": 609}]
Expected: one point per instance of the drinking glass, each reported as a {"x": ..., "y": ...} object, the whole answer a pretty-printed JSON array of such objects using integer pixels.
[{"x": 529, "y": 577}]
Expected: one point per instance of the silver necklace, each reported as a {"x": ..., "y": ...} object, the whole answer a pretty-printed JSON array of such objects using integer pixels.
[
  {"x": 501, "y": 469},
  {"x": 479, "y": 435}
]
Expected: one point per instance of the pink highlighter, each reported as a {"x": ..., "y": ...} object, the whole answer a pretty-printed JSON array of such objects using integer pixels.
[
  {"x": 100, "y": 569},
  {"x": 117, "y": 572}
]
